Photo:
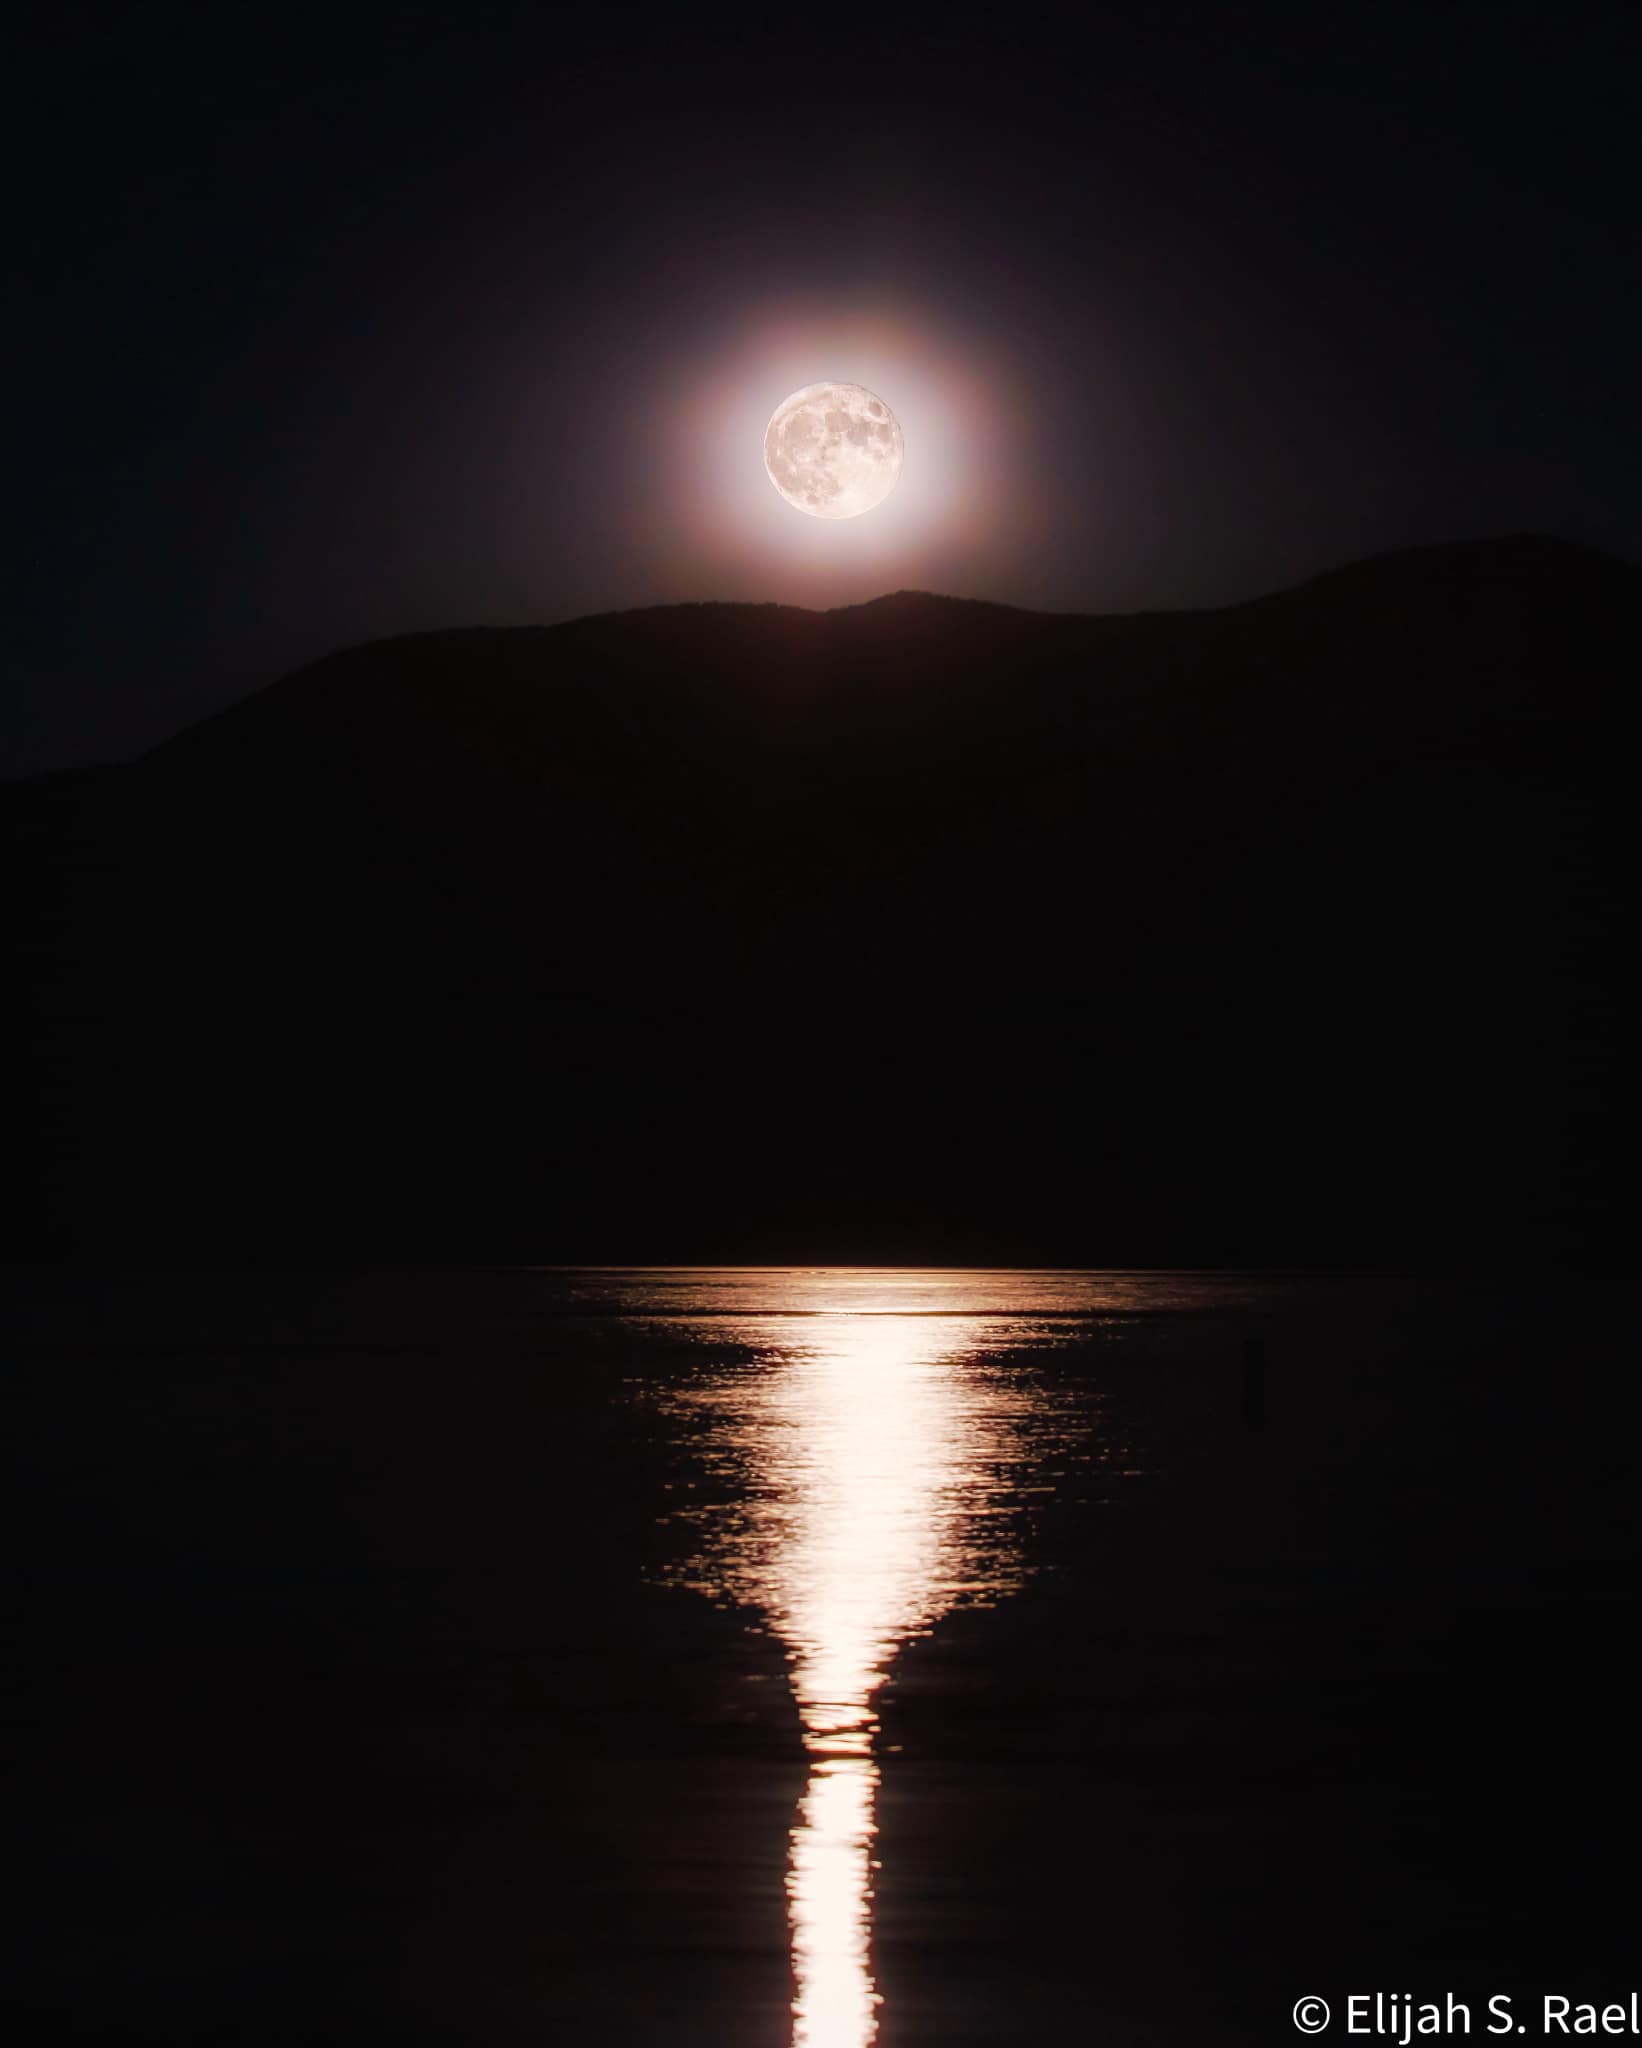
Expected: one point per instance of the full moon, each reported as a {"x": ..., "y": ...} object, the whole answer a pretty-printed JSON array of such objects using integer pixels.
[{"x": 833, "y": 450}]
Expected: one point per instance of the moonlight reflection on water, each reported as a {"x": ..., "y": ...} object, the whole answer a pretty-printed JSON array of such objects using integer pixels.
[{"x": 881, "y": 1461}]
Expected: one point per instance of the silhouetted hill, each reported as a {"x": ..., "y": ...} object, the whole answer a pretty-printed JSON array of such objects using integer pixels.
[{"x": 925, "y": 928}]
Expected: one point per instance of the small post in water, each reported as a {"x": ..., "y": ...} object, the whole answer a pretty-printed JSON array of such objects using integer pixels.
[{"x": 1254, "y": 1382}]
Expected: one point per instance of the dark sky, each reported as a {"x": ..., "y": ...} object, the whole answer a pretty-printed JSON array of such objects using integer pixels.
[{"x": 329, "y": 322}]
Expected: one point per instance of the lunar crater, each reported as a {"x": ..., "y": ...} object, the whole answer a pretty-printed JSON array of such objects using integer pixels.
[{"x": 833, "y": 450}]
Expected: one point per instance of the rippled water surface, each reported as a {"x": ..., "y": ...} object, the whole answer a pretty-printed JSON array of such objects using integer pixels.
[
  {"x": 870, "y": 1449},
  {"x": 401, "y": 1645},
  {"x": 1013, "y": 1299}
]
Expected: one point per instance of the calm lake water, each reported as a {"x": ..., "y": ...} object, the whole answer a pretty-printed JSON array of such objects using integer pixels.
[
  {"x": 870, "y": 1450},
  {"x": 866, "y": 1451},
  {"x": 401, "y": 1655}
]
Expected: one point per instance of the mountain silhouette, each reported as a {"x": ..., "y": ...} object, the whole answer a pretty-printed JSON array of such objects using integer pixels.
[{"x": 926, "y": 928}]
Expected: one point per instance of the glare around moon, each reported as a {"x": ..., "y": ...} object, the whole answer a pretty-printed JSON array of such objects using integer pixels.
[{"x": 833, "y": 450}]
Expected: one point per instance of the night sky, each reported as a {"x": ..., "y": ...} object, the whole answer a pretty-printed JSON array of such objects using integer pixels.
[{"x": 328, "y": 323}]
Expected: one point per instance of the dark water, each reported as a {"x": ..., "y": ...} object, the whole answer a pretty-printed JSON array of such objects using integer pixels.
[
  {"x": 869, "y": 1451},
  {"x": 810, "y": 1657}
]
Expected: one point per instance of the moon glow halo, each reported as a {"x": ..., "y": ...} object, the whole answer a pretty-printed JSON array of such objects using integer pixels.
[{"x": 833, "y": 450}]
